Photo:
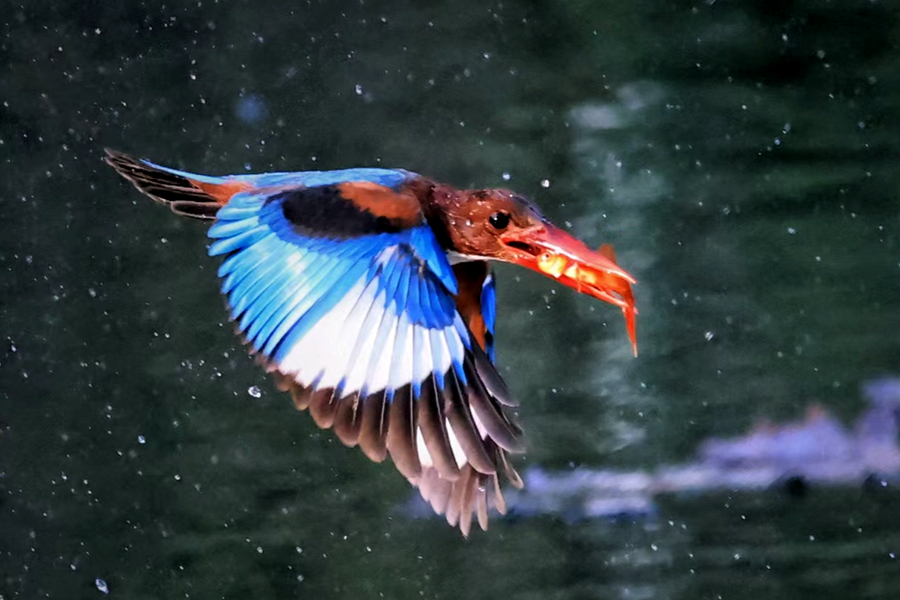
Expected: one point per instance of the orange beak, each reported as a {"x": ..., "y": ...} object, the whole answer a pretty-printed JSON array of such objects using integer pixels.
[{"x": 555, "y": 253}]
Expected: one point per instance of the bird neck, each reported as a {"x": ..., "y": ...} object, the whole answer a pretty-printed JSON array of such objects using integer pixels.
[{"x": 441, "y": 205}]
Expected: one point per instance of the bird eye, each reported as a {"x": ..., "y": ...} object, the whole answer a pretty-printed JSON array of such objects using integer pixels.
[{"x": 499, "y": 220}]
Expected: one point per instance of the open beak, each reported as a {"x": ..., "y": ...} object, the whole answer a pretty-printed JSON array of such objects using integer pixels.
[{"x": 553, "y": 252}]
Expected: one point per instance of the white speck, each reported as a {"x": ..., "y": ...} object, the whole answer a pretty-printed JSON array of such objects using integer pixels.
[
  {"x": 299, "y": 578},
  {"x": 193, "y": 77},
  {"x": 254, "y": 391},
  {"x": 259, "y": 550},
  {"x": 142, "y": 439},
  {"x": 791, "y": 230},
  {"x": 177, "y": 477},
  {"x": 92, "y": 292},
  {"x": 299, "y": 550},
  {"x": 506, "y": 176},
  {"x": 545, "y": 183},
  {"x": 101, "y": 585},
  {"x": 709, "y": 335},
  {"x": 654, "y": 547},
  {"x": 486, "y": 56},
  {"x": 358, "y": 89}
]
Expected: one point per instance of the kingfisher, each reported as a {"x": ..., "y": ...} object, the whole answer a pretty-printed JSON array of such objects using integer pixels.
[{"x": 368, "y": 294}]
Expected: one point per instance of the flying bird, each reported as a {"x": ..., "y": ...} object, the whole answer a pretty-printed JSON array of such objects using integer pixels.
[{"x": 368, "y": 295}]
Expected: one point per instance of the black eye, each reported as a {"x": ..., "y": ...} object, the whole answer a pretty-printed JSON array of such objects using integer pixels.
[{"x": 499, "y": 220}]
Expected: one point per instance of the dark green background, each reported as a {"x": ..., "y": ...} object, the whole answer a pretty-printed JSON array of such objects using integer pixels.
[{"x": 741, "y": 156}]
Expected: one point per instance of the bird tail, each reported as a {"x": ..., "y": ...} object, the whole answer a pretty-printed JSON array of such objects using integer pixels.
[{"x": 188, "y": 194}]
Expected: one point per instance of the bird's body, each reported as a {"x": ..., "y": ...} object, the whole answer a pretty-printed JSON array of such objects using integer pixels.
[{"x": 367, "y": 293}]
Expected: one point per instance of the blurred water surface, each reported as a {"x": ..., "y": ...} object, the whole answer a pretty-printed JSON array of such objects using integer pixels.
[{"x": 740, "y": 156}]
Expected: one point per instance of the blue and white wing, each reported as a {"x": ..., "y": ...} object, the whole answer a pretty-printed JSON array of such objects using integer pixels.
[{"x": 345, "y": 291}]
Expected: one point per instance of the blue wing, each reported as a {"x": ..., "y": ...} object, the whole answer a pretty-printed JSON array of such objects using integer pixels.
[
  {"x": 362, "y": 326},
  {"x": 387, "y": 177},
  {"x": 319, "y": 307},
  {"x": 489, "y": 311}
]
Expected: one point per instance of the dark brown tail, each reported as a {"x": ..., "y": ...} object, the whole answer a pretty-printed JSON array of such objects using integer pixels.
[{"x": 184, "y": 196}]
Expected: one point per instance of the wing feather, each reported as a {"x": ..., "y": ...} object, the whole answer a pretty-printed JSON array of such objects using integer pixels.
[{"x": 363, "y": 325}]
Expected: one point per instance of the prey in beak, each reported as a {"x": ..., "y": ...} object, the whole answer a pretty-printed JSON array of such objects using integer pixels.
[{"x": 500, "y": 225}]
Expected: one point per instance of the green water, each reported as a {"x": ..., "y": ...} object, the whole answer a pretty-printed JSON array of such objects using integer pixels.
[{"x": 740, "y": 156}]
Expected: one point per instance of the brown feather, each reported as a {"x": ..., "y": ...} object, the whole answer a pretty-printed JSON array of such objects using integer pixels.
[
  {"x": 347, "y": 420},
  {"x": 467, "y": 501},
  {"x": 323, "y": 406},
  {"x": 433, "y": 425},
  {"x": 481, "y": 506},
  {"x": 182, "y": 195},
  {"x": 373, "y": 427},
  {"x": 401, "y": 434},
  {"x": 496, "y": 424},
  {"x": 302, "y": 396},
  {"x": 460, "y": 417}
]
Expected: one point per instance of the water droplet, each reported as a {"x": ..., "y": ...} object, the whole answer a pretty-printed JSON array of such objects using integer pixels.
[
  {"x": 254, "y": 391},
  {"x": 142, "y": 439},
  {"x": 545, "y": 183},
  {"x": 359, "y": 89},
  {"x": 101, "y": 585},
  {"x": 791, "y": 230},
  {"x": 709, "y": 335},
  {"x": 506, "y": 176}
]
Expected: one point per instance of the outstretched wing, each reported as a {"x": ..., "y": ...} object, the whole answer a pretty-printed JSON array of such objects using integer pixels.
[{"x": 344, "y": 290}]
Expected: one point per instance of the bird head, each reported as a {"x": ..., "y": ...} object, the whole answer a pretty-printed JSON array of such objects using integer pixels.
[{"x": 497, "y": 224}]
